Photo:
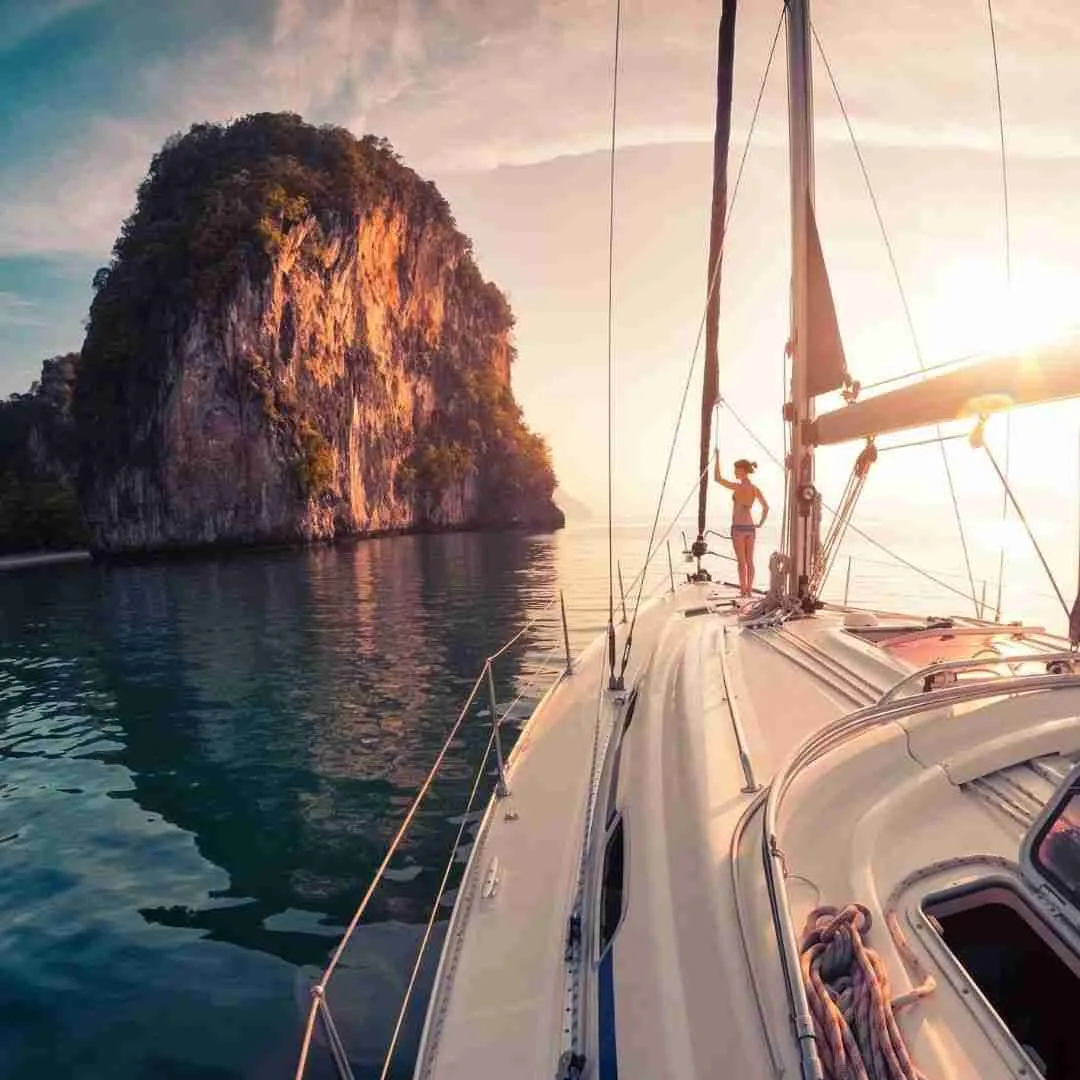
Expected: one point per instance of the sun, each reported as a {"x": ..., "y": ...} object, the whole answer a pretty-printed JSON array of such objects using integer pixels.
[{"x": 975, "y": 310}]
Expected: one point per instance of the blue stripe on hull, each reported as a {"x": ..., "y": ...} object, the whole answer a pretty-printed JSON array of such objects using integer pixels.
[{"x": 608, "y": 1058}]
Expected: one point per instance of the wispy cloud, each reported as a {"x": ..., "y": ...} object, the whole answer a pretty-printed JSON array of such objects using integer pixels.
[
  {"x": 17, "y": 311},
  {"x": 470, "y": 85},
  {"x": 23, "y": 21}
]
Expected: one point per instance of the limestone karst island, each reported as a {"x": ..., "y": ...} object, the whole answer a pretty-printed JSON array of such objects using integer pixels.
[{"x": 291, "y": 343}]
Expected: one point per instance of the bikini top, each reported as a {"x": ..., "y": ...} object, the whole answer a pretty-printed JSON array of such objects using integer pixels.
[{"x": 735, "y": 497}]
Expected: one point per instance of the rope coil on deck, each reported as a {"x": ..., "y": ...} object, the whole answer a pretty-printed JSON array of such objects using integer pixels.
[{"x": 853, "y": 1010}]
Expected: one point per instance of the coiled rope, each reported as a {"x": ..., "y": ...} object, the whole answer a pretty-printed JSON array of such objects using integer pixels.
[{"x": 853, "y": 1010}]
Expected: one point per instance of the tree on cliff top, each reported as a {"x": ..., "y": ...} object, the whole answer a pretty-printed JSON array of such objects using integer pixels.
[{"x": 215, "y": 205}]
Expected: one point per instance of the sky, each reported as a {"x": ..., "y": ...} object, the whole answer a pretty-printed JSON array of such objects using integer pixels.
[{"x": 505, "y": 104}]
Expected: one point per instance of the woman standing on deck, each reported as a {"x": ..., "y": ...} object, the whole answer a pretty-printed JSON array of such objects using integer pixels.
[{"x": 743, "y": 496}]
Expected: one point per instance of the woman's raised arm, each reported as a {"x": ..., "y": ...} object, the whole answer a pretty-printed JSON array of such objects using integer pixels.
[{"x": 716, "y": 473}]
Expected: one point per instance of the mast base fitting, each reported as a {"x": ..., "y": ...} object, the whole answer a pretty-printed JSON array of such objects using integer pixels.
[
  {"x": 699, "y": 577},
  {"x": 808, "y": 495}
]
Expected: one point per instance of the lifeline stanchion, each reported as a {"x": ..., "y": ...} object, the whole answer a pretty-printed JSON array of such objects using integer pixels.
[
  {"x": 670, "y": 568},
  {"x": 622, "y": 594},
  {"x": 847, "y": 580},
  {"x": 501, "y": 787},
  {"x": 333, "y": 1039},
  {"x": 566, "y": 635}
]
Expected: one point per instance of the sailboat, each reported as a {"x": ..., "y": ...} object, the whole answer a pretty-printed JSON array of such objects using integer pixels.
[{"x": 786, "y": 838}]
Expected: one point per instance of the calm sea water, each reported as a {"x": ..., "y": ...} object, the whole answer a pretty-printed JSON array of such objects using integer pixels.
[{"x": 201, "y": 763}]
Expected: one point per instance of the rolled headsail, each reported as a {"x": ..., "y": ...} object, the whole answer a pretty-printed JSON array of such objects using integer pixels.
[{"x": 725, "y": 69}]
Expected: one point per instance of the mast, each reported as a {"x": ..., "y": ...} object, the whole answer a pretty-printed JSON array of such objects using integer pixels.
[
  {"x": 802, "y": 520},
  {"x": 725, "y": 68}
]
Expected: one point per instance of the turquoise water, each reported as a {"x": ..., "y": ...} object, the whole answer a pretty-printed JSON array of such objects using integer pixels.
[{"x": 201, "y": 763}]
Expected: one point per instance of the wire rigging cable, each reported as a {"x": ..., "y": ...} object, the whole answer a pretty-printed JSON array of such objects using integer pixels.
[
  {"x": 787, "y": 452},
  {"x": 1027, "y": 528},
  {"x": 436, "y": 904},
  {"x": 1001, "y": 139},
  {"x": 1008, "y": 277},
  {"x": 955, "y": 362},
  {"x": 318, "y": 991},
  {"x": 925, "y": 442},
  {"x": 1074, "y": 615},
  {"x": 908, "y": 318},
  {"x": 854, "y": 528},
  {"x": 842, "y": 519},
  {"x": 610, "y": 347},
  {"x": 713, "y": 280},
  {"x": 422, "y": 951}
]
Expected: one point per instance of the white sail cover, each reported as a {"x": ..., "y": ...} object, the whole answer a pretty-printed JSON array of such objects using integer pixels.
[{"x": 1030, "y": 377}]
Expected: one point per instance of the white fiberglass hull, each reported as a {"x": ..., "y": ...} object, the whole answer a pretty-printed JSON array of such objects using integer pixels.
[{"x": 687, "y": 980}]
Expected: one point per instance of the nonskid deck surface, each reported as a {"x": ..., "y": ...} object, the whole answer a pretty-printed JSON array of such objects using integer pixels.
[{"x": 714, "y": 698}]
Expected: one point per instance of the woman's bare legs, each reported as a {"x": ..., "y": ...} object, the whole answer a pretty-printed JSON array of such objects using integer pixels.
[
  {"x": 744, "y": 553},
  {"x": 736, "y": 544}
]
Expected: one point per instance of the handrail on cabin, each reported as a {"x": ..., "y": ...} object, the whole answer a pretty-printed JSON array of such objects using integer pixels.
[
  {"x": 808, "y": 751},
  {"x": 975, "y": 663}
]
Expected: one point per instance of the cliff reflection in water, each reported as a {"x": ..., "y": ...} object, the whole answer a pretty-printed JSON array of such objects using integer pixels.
[
  {"x": 316, "y": 688},
  {"x": 201, "y": 763}
]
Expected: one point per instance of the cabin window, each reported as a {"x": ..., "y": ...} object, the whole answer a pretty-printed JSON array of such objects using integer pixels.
[
  {"x": 1055, "y": 851},
  {"x": 611, "y": 886},
  {"x": 1026, "y": 973},
  {"x": 613, "y": 785}
]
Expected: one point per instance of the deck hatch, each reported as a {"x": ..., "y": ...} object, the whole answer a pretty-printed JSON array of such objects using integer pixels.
[{"x": 1024, "y": 971}]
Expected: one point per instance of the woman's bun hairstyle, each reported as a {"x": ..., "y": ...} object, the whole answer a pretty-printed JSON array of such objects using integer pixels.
[{"x": 749, "y": 466}]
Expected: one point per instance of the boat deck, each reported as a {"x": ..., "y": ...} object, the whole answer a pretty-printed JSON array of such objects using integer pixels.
[
  {"x": 501, "y": 988},
  {"x": 720, "y": 708}
]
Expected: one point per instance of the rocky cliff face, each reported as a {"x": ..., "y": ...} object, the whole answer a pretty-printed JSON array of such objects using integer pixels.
[{"x": 293, "y": 343}]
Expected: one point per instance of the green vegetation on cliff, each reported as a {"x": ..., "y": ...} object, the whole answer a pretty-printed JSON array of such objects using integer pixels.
[
  {"x": 483, "y": 432},
  {"x": 38, "y": 507},
  {"x": 217, "y": 204},
  {"x": 220, "y": 207}
]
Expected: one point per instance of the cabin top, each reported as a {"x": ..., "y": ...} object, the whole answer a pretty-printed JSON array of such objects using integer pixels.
[{"x": 953, "y": 817}]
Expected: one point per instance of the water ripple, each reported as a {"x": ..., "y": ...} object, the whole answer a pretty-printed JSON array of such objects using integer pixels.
[{"x": 201, "y": 763}]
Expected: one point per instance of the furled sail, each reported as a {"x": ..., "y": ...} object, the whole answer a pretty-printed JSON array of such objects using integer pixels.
[
  {"x": 725, "y": 69},
  {"x": 1048, "y": 373},
  {"x": 826, "y": 368}
]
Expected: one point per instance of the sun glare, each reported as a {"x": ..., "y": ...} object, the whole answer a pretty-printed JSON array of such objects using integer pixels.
[
  {"x": 1009, "y": 536},
  {"x": 976, "y": 311}
]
